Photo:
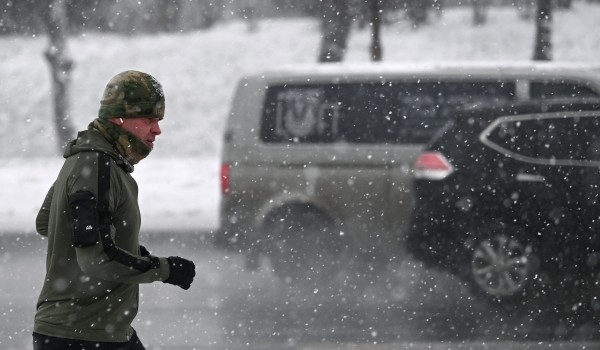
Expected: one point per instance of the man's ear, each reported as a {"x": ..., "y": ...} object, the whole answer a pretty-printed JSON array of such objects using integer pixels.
[{"x": 118, "y": 121}]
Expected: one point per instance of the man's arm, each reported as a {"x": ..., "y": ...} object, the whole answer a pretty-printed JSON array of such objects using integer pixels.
[
  {"x": 93, "y": 237},
  {"x": 115, "y": 264},
  {"x": 92, "y": 191},
  {"x": 135, "y": 268}
]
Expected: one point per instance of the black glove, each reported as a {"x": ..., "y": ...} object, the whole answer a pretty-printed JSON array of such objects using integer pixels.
[
  {"x": 144, "y": 251},
  {"x": 181, "y": 272}
]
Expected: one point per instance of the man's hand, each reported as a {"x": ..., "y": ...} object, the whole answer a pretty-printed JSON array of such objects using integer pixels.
[{"x": 181, "y": 272}]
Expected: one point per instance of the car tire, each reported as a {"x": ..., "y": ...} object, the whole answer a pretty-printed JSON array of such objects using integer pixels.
[
  {"x": 501, "y": 266},
  {"x": 303, "y": 247}
]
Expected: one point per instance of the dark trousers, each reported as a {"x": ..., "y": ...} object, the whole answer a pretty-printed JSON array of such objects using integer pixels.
[{"x": 44, "y": 342}]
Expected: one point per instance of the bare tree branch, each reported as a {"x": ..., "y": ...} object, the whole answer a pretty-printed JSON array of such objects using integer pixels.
[
  {"x": 337, "y": 21},
  {"x": 56, "y": 22}
]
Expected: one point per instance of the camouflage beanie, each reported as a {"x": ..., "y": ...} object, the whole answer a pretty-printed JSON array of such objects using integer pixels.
[{"x": 132, "y": 94}]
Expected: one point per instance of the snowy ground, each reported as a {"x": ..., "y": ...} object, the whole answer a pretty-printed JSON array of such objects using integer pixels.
[
  {"x": 406, "y": 307},
  {"x": 178, "y": 182}
]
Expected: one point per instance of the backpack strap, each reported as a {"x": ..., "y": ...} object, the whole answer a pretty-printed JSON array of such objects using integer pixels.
[
  {"x": 103, "y": 190},
  {"x": 105, "y": 221}
]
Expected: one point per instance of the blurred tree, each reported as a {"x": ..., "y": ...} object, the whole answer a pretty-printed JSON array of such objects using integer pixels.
[
  {"x": 543, "y": 38},
  {"x": 212, "y": 12},
  {"x": 526, "y": 8},
  {"x": 480, "y": 8},
  {"x": 54, "y": 17},
  {"x": 85, "y": 15},
  {"x": 16, "y": 17},
  {"x": 336, "y": 23},
  {"x": 416, "y": 10},
  {"x": 566, "y": 4},
  {"x": 8, "y": 24},
  {"x": 248, "y": 12},
  {"x": 167, "y": 14},
  {"x": 376, "y": 14},
  {"x": 438, "y": 6}
]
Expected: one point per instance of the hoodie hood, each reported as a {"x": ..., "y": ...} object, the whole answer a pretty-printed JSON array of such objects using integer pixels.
[{"x": 93, "y": 141}]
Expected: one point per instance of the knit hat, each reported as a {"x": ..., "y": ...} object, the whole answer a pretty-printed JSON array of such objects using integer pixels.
[{"x": 132, "y": 94}]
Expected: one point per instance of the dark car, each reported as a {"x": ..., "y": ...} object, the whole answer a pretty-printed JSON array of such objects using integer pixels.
[{"x": 507, "y": 199}]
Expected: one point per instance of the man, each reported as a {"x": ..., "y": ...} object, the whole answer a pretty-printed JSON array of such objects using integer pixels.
[{"x": 91, "y": 217}]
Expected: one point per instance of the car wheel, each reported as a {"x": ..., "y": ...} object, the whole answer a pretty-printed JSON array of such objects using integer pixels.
[
  {"x": 303, "y": 247},
  {"x": 501, "y": 265}
]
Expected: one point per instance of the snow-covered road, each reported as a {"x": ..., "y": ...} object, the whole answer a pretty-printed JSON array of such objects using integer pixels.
[{"x": 227, "y": 307}]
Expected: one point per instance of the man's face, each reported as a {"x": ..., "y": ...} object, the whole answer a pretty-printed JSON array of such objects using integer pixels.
[{"x": 145, "y": 129}]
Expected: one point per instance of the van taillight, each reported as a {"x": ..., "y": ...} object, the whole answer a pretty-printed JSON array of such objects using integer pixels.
[
  {"x": 225, "y": 173},
  {"x": 432, "y": 166}
]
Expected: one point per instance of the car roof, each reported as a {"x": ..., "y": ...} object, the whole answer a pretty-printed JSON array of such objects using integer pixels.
[{"x": 425, "y": 70}]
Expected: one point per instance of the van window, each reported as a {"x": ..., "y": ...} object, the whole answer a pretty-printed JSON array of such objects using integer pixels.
[{"x": 390, "y": 112}]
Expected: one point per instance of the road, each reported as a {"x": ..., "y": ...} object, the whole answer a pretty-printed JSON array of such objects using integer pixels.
[{"x": 404, "y": 307}]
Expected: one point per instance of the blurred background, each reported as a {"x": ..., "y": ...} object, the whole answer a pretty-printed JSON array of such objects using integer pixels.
[
  {"x": 55, "y": 59},
  {"x": 58, "y": 55}
]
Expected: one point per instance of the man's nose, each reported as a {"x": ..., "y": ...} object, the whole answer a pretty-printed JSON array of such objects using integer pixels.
[{"x": 156, "y": 129}]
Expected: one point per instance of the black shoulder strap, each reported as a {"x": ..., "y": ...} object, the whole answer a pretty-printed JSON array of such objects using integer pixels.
[
  {"x": 105, "y": 219},
  {"x": 104, "y": 187}
]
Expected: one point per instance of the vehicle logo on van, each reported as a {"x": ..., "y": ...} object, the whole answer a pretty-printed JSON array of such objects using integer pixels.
[{"x": 304, "y": 113}]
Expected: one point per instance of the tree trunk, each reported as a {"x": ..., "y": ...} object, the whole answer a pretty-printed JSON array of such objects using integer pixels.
[
  {"x": 526, "y": 8},
  {"x": 336, "y": 29},
  {"x": 543, "y": 38},
  {"x": 438, "y": 6},
  {"x": 167, "y": 16},
  {"x": 376, "y": 50},
  {"x": 479, "y": 12},
  {"x": 56, "y": 23},
  {"x": 249, "y": 11},
  {"x": 565, "y": 4},
  {"x": 417, "y": 12},
  {"x": 212, "y": 12}
]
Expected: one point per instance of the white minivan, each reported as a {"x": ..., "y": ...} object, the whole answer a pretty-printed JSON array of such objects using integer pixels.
[{"x": 317, "y": 160}]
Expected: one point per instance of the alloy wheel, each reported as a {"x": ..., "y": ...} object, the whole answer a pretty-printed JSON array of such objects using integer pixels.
[{"x": 500, "y": 266}]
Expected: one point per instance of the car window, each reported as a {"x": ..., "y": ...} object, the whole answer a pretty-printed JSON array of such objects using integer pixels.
[
  {"x": 558, "y": 139},
  {"x": 555, "y": 89},
  {"x": 390, "y": 112}
]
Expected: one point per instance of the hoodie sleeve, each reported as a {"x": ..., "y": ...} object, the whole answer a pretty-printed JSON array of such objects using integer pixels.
[
  {"x": 105, "y": 259},
  {"x": 123, "y": 266},
  {"x": 43, "y": 216}
]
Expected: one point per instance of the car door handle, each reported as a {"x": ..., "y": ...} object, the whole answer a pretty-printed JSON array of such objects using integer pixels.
[{"x": 530, "y": 177}]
